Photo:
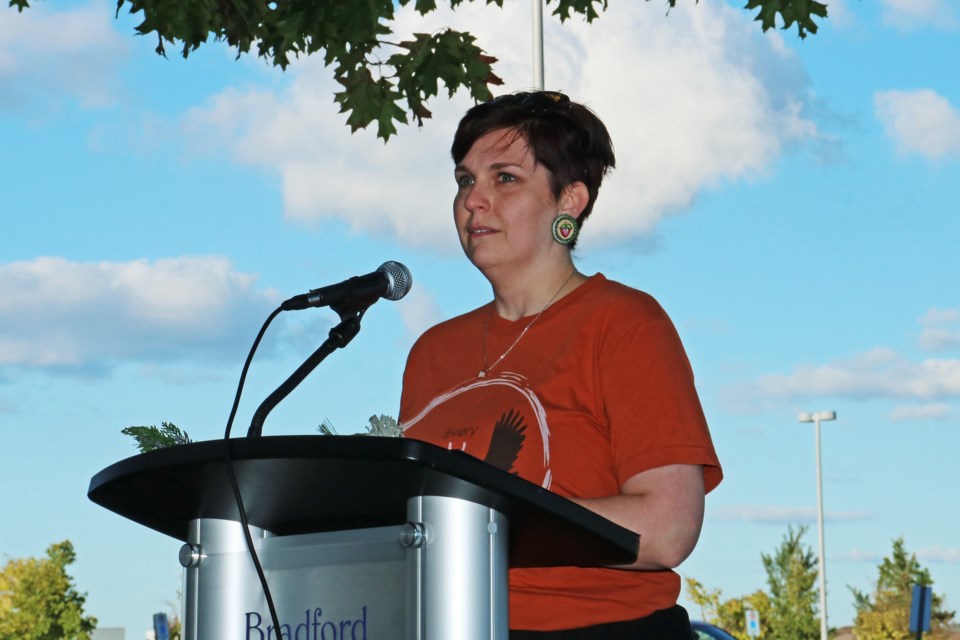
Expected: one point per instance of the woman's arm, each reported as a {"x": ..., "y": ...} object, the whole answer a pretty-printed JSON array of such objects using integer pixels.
[{"x": 663, "y": 505}]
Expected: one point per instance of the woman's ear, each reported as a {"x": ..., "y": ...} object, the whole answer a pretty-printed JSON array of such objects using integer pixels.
[{"x": 574, "y": 199}]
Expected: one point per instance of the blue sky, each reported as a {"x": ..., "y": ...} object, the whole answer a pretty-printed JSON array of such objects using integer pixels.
[{"x": 791, "y": 204}]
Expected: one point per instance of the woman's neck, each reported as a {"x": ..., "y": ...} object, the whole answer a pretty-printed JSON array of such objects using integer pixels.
[{"x": 518, "y": 296}]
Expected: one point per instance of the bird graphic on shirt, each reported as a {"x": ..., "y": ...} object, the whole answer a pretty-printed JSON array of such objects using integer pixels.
[{"x": 506, "y": 441}]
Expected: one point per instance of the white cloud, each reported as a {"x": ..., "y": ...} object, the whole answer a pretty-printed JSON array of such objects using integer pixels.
[
  {"x": 913, "y": 413},
  {"x": 939, "y": 554},
  {"x": 59, "y": 314},
  {"x": 907, "y": 15},
  {"x": 419, "y": 312},
  {"x": 45, "y": 54},
  {"x": 857, "y": 555},
  {"x": 839, "y": 14},
  {"x": 779, "y": 514},
  {"x": 178, "y": 374},
  {"x": 926, "y": 554},
  {"x": 941, "y": 329},
  {"x": 879, "y": 373},
  {"x": 919, "y": 122},
  {"x": 692, "y": 99},
  {"x": 763, "y": 513}
]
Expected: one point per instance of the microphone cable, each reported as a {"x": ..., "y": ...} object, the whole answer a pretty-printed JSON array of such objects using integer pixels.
[{"x": 228, "y": 458}]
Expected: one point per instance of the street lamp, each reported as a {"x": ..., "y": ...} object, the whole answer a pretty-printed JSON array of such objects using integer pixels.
[{"x": 815, "y": 418}]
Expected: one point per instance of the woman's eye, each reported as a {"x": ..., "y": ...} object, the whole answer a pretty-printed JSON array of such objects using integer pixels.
[
  {"x": 464, "y": 181},
  {"x": 506, "y": 177}
]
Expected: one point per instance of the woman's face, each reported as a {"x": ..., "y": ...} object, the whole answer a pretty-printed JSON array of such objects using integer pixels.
[{"x": 504, "y": 205}]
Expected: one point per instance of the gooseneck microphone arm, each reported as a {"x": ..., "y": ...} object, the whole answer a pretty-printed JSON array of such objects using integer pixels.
[
  {"x": 339, "y": 337},
  {"x": 350, "y": 299}
]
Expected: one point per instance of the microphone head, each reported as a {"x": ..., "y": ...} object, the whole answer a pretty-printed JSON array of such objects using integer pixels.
[{"x": 399, "y": 279}]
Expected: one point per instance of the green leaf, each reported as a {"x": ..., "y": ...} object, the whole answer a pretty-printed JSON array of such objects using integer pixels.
[
  {"x": 583, "y": 7},
  {"x": 799, "y": 12},
  {"x": 362, "y": 98},
  {"x": 389, "y": 112},
  {"x": 150, "y": 438},
  {"x": 448, "y": 57},
  {"x": 382, "y": 426},
  {"x": 424, "y": 7},
  {"x": 326, "y": 428}
]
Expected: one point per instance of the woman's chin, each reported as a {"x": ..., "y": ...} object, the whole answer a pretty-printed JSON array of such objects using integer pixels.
[{"x": 480, "y": 256}]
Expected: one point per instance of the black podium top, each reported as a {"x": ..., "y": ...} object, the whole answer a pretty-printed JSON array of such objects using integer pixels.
[{"x": 305, "y": 484}]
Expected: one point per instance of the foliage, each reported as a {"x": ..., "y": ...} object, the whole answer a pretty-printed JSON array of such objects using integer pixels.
[
  {"x": 791, "y": 578},
  {"x": 886, "y": 614},
  {"x": 38, "y": 600},
  {"x": 174, "y": 624},
  {"x": 788, "y": 611},
  {"x": 378, "y": 86},
  {"x": 791, "y": 12},
  {"x": 707, "y": 599},
  {"x": 175, "y": 627},
  {"x": 730, "y": 614},
  {"x": 384, "y": 426},
  {"x": 150, "y": 438}
]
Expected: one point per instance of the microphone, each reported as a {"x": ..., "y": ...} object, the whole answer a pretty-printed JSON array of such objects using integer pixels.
[{"x": 391, "y": 280}]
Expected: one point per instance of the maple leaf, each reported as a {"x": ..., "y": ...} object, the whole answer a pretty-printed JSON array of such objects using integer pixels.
[{"x": 799, "y": 12}]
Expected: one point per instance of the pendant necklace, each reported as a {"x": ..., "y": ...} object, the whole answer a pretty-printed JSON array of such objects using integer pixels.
[{"x": 486, "y": 321}]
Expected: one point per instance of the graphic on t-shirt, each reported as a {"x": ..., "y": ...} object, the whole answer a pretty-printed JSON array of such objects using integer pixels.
[
  {"x": 506, "y": 441},
  {"x": 489, "y": 418}
]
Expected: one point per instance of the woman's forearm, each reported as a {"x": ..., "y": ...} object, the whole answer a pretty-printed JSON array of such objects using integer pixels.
[{"x": 664, "y": 506}]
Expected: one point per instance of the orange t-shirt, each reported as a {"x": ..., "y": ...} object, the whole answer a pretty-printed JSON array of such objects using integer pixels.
[{"x": 598, "y": 390}]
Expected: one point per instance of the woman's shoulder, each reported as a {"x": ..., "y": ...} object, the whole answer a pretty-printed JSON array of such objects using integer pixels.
[{"x": 616, "y": 298}]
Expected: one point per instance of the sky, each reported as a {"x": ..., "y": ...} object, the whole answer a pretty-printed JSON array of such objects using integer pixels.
[{"x": 791, "y": 203}]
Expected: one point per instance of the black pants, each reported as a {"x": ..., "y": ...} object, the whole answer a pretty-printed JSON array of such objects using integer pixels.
[{"x": 667, "y": 624}]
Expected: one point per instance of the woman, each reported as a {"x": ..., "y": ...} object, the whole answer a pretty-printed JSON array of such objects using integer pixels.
[{"x": 576, "y": 383}]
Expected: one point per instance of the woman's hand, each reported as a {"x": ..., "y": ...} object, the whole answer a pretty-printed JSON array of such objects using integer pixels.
[{"x": 663, "y": 505}]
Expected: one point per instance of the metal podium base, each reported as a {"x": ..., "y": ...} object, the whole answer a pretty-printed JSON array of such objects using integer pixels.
[{"x": 440, "y": 576}]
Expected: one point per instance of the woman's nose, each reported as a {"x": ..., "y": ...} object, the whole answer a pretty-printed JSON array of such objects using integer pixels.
[{"x": 476, "y": 198}]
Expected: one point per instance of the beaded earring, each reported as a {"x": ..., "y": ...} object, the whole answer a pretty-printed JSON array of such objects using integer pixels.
[{"x": 565, "y": 229}]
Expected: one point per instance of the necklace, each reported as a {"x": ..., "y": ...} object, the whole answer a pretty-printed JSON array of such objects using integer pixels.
[{"x": 486, "y": 321}]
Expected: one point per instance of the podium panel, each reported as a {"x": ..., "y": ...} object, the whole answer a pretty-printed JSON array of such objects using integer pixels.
[
  {"x": 414, "y": 582},
  {"x": 344, "y": 585}
]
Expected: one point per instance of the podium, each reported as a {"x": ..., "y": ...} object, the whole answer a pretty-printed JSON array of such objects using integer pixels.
[{"x": 359, "y": 537}]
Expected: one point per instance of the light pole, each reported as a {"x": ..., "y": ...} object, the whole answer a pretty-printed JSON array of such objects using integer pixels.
[
  {"x": 815, "y": 418},
  {"x": 537, "y": 44}
]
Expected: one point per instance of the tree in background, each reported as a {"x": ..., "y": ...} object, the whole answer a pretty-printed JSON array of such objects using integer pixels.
[
  {"x": 382, "y": 80},
  {"x": 707, "y": 599},
  {"x": 730, "y": 615},
  {"x": 791, "y": 578},
  {"x": 175, "y": 625},
  {"x": 38, "y": 600},
  {"x": 886, "y": 614}
]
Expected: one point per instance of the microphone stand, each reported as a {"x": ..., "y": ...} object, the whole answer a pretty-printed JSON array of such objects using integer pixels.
[
  {"x": 339, "y": 337},
  {"x": 350, "y": 313}
]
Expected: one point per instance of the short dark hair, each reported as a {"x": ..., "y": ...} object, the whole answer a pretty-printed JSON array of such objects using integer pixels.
[{"x": 567, "y": 138}]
